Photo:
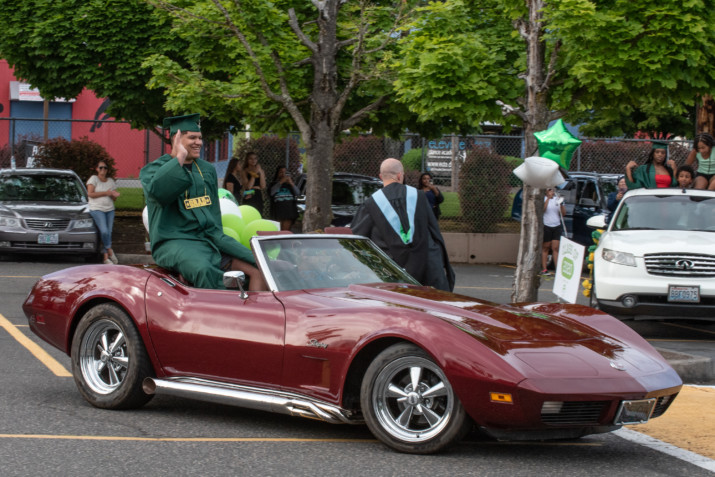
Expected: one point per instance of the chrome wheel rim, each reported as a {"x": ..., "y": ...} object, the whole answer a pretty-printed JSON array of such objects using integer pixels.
[
  {"x": 412, "y": 399},
  {"x": 103, "y": 357}
]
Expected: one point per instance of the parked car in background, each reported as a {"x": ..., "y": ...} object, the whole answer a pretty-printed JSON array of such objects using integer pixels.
[
  {"x": 656, "y": 258},
  {"x": 585, "y": 195},
  {"x": 45, "y": 211},
  {"x": 349, "y": 193}
]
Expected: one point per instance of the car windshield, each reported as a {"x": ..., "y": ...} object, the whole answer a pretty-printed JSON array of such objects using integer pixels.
[
  {"x": 41, "y": 188},
  {"x": 666, "y": 212},
  {"x": 300, "y": 263},
  {"x": 353, "y": 193}
]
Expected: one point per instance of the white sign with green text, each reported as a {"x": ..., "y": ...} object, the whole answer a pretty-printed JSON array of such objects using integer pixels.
[{"x": 568, "y": 270}]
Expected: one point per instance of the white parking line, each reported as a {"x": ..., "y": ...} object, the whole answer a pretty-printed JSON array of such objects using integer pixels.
[
  {"x": 38, "y": 352},
  {"x": 664, "y": 447}
]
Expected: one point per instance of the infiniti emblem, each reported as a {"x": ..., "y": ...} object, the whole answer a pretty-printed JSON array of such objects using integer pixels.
[{"x": 684, "y": 264}]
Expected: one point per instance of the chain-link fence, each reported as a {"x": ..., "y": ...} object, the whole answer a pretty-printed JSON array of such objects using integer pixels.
[{"x": 473, "y": 173}]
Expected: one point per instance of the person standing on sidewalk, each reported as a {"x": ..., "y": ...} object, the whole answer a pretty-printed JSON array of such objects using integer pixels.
[
  {"x": 400, "y": 221},
  {"x": 102, "y": 192},
  {"x": 553, "y": 210}
]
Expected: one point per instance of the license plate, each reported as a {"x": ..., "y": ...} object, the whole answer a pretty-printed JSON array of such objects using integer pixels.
[
  {"x": 683, "y": 294},
  {"x": 634, "y": 412},
  {"x": 48, "y": 239}
]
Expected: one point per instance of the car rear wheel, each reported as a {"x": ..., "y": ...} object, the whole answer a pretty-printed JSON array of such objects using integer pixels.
[
  {"x": 409, "y": 404},
  {"x": 109, "y": 362}
]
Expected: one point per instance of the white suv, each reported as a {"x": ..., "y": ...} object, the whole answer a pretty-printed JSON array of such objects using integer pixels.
[{"x": 656, "y": 258}]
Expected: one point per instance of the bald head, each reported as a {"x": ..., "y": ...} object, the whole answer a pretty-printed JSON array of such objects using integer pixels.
[{"x": 391, "y": 170}]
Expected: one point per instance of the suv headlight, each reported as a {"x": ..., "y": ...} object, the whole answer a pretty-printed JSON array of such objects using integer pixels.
[
  {"x": 83, "y": 224},
  {"x": 621, "y": 258},
  {"x": 9, "y": 222}
]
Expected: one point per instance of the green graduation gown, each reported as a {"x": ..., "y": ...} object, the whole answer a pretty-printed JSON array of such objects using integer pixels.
[
  {"x": 644, "y": 176},
  {"x": 189, "y": 241}
]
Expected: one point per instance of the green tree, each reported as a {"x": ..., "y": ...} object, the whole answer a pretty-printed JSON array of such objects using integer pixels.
[
  {"x": 320, "y": 67},
  {"x": 533, "y": 61},
  {"x": 64, "y": 46}
]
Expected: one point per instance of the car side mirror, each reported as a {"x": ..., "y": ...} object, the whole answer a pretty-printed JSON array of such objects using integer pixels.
[
  {"x": 234, "y": 279},
  {"x": 597, "y": 222}
]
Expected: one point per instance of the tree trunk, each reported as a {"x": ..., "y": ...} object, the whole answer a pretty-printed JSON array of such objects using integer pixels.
[
  {"x": 705, "y": 121},
  {"x": 526, "y": 278}
]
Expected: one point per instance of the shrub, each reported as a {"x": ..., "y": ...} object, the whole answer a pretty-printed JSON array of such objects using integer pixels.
[
  {"x": 412, "y": 160},
  {"x": 513, "y": 163},
  {"x": 483, "y": 189},
  {"x": 360, "y": 155},
  {"x": 80, "y": 155}
]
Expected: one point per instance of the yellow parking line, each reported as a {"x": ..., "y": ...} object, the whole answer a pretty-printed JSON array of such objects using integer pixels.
[
  {"x": 38, "y": 352},
  {"x": 176, "y": 439},
  {"x": 267, "y": 439}
]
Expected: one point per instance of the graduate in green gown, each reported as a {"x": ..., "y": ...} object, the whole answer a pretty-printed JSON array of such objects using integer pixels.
[
  {"x": 656, "y": 172},
  {"x": 185, "y": 227}
]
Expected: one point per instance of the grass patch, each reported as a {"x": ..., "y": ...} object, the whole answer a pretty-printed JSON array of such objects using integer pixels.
[
  {"x": 130, "y": 198},
  {"x": 450, "y": 206}
]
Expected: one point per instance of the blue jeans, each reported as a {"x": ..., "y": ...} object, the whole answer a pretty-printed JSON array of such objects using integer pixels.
[{"x": 104, "y": 222}]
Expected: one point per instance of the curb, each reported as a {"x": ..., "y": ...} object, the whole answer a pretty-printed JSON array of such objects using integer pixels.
[
  {"x": 691, "y": 369},
  {"x": 135, "y": 258}
]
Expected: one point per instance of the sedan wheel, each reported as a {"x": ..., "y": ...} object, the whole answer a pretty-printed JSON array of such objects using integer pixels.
[
  {"x": 409, "y": 404},
  {"x": 109, "y": 361}
]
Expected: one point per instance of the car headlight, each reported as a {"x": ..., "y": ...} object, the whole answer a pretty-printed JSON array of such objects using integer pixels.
[
  {"x": 9, "y": 222},
  {"x": 621, "y": 258},
  {"x": 84, "y": 224}
]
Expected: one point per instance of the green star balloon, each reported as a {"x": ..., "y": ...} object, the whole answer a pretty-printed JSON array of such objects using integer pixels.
[{"x": 557, "y": 144}]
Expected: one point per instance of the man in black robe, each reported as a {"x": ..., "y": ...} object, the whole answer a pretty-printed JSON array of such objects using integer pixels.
[{"x": 400, "y": 221}]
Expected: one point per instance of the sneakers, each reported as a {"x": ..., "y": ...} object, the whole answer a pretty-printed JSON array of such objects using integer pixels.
[
  {"x": 113, "y": 258},
  {"x": 545, "y": 271},
  {"x": 108, "y": 262}
]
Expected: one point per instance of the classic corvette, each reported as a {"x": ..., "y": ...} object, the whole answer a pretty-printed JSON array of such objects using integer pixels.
[{"x": 345, "y": 335}]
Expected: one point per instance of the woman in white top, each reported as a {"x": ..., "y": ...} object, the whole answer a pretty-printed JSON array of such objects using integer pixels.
[
  {"x": 553, "y": 209},
  {"x": 102, "y": 193}
]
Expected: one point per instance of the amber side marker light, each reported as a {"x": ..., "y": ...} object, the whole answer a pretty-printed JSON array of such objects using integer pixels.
[{"x": 501, "y": 397}]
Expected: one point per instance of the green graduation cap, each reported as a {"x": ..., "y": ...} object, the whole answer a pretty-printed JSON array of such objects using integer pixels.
[
  {"x": 660, "y": 145},
  {"x": 189, "y": 122}
]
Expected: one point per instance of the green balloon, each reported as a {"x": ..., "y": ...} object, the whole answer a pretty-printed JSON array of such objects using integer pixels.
[
  {"x": 226, "y": 194},
  {"x": 231, "y": 233},
  {"x": 233, "y": 222},
  {"x": 273, "y": 250},
  {"x": 249, "y": 214},
  {"x": 254, "y": 227},
  {"x": 557, "y": 144}
]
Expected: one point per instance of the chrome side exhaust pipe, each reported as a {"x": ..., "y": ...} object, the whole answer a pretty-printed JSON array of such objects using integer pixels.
[{"x": 251, "y": 398}]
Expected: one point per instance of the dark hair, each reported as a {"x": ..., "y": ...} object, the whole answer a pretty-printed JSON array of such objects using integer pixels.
[
  {"x": 419, "y": 182},
  {"x": 229, "y": 168},
  {"x": 705, "y": 138},
  {"x": 278, "y": 169},
  {"x": 686, "y": 168},
  {"x": 651, "y": 156}
]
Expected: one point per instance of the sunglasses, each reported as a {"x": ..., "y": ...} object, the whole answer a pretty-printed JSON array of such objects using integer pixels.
[{"x": 102, "y": 167}]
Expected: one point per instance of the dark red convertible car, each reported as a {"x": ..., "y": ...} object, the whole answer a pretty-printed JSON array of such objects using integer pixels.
[{"x": 346, "y": 336}]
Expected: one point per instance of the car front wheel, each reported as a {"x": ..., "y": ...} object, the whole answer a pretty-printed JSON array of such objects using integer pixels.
[
  {"x": 409, "y": 404},
  {"x": 109, "y": 361}
]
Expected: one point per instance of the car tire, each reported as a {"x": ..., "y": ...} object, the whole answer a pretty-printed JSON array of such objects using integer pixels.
[
  {"x": 109, "y": 361},
  {"x": 409, "y": 404}
]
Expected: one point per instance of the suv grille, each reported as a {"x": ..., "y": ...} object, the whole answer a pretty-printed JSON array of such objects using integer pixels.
[
  {"x": 47, "y": 224},
  {"x": 680, "y": 265}
]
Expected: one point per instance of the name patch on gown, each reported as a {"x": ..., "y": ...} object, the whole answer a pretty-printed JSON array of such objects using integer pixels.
[{"x": 196, "y": 202}]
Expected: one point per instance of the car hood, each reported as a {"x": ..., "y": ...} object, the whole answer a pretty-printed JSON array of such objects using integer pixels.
[
  {"x": 536, "y": 339},
  {"x": 44, "y": 209},
  {"x": 642, "y": 242},
  {"x": 484, "y": 320}
]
